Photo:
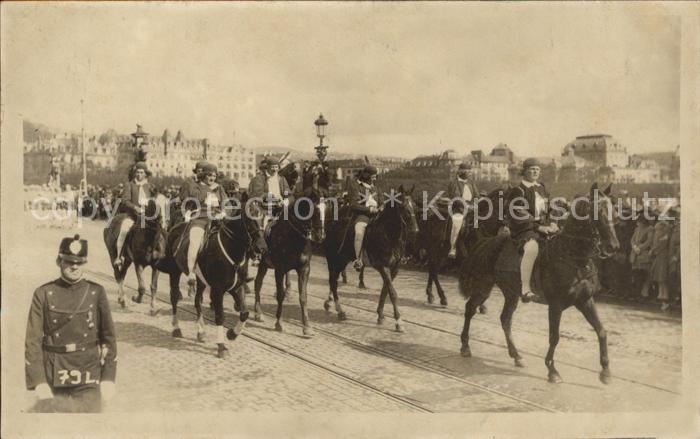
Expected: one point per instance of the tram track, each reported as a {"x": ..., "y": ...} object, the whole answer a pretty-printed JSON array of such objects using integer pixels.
[
  {"x": 499, "y": 345},
  {"x": 285, "y": 350}
]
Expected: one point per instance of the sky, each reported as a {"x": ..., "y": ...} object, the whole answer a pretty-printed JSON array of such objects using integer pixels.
[{"x": 392, "y": 79}]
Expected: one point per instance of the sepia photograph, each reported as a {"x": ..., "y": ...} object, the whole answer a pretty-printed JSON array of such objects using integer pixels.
[{"x": 350, "y": 219}]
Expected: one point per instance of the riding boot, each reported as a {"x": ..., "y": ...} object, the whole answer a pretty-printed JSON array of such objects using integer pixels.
[
  {"x": 124, "y": 228},
  {"x": 359, "y": 237},
  {"x": 530, "y": 251},
  {"x": 454, "y": 234},
  {"x": 196, "y": 235}
]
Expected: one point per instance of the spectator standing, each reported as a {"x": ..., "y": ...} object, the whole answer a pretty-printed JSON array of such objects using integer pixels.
[{"x": 640, "y": 256}]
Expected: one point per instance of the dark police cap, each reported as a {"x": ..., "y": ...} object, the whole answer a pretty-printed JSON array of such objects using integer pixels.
[
  {"x": 141, "y": 165},
  {"x": 370, "y": 170},
  {"x": 73, "y": 249},
  {"x": 529, "y": 163},
  {"x": 199, "y": 165}
]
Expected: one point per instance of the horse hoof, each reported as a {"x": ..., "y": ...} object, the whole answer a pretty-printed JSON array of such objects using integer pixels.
[
  {"x": 380, "y": 320},
  {"x": 342, "y": 316},
  {"x": 555, "y": 378},
  {"x": 431, "y": 299},
  {"x": 465, "y": 351},
  {"x": 221, "y": 351},
  {"x": 231, "y": 334},
  {"x": 137, "y": 299},
  {"x": 362, "y": 286},
  {"x": 258, "y": 317},
  {"x": 519, "y": 362},
  {"x": 443, "y": 303},
  {"x": 122, "y": 303},
  {"x": 605, "y": 377},
  {"x": 308, "y": 332},
  {"x": 482, "y": 309},
  {"x": 177, "y": 333},
  {"x": 327, "y": 305},
  {"x": 154, "y": 312},
  {"x": 278, "y": 327},
  {"x": 399, "y": 328},
  {"x": 200, "y": 337}
]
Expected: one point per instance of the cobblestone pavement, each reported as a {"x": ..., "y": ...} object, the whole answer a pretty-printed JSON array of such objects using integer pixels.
[{"x": 357, "y": 365}]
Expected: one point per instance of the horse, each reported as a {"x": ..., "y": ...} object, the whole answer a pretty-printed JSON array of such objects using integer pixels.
[
  {"x": 290, "y": 244},
  {"x": 221, "y": 267},
  {"x": 434, "y": 239},
  {"x": 385, "y": 240},
  {"x": 144, "y": 246},
  {"x": 564, "y": 272}
]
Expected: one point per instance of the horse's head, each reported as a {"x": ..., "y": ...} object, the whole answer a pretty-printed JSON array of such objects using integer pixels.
[
  {"x": 401, "y": 201},
  {"x": 315, "y": 188},
  {"x": 597, "y": 211},
  {"x": 250, "y": 214}
]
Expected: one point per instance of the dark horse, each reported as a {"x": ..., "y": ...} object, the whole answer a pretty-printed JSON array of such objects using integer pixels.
[
  {"x": 290, "y": 243},
  {"x": 434, "y": 239},
  {"x": 144, "y": 247},
  {"x": 385, "y": 242},
  {"x": 564, "y": 272},
  {"x": 222, "y": 267}
]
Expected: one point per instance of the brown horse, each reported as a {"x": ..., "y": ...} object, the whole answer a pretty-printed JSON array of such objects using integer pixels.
[
  {"x": 385, "y": 242},
  {"x": 222, "y": 267},
  {"x": 564, "y": 272},
  {"x": 290, "y": 244},
  {"x": 144, "y": 247}
]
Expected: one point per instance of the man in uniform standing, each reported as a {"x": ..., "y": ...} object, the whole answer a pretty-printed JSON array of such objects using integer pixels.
[{"x": 70, "y": 345}]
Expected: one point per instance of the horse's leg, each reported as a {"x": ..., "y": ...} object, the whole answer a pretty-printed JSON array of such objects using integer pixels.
[
  {"x": 217, "y": 298},
  {"x": 380, "y": 305},
  {"x": 333, "y": 295},
  {"x": 175, "y": 297},
  {"x": 198, "y": 299},
  {"x": 440, "y": 291},
  {"x": 554, "y": 320},
  {"x": 287, "y": 287},
  {"x": 344, "y": 274},
  {"x": 154, "y": 290},
  {"x": 470, "y": 308},
  {"x": 509, "y": 306},
  {"x": 590, "y": 312},
  {"x": 429, "y": 286},
  {"x": 259, "y": 277},
  {"x": 361, "y": 284},
  {"x": 387, "y": 276},
  {"x": 121, "y": 277},
  {"x": 303, "y": 279},
  {"x": 142, "y": 284},
  {"x": 239, "y": 297},
  {"x": 279, "y": 284}
]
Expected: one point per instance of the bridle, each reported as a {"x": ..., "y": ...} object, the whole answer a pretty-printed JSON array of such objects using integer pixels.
[{"x": 594, "y": 239}]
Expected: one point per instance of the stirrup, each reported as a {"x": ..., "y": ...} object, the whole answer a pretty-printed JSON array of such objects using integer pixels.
[{"x": 358, "y": 264}]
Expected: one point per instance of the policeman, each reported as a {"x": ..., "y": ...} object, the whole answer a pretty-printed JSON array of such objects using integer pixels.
[{"x": 70, "y": 345}]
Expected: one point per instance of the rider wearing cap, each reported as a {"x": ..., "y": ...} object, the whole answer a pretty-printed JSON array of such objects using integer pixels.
[
  {"x": 362, "y": 199},
  {"x": 463, "y": 188},
  {"x": 270, "y": 186},
  {"x": 70, "y": 344},
  {"x": 134, "y": 198},
  {"x": 208, "y": 198},
  {"x": 527, "y": 211}
]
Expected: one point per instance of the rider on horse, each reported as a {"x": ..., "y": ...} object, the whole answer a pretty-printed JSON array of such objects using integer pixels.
[
  {"x": 205, "y": 202},
  {"x": 270, "y": 187},
  {"x": 528, "y": 214},
  {"x": 134, "y": 198},
  {"x": 362, "y": 199},
  {"x": 461, "y": 187}
]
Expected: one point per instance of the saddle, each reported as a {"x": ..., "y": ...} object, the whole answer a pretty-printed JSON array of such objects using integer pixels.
[
  {"x": 509, "y": 262},
  {"x": 179, "y": 253}
]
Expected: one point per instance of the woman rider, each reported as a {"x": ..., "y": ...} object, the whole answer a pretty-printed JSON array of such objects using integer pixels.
[
  {"x": 206, "y": 201},
  {"x": 134, "y": 198},
  {"x": 362, "y": 198},
  {"x": 527, "y": 211}
]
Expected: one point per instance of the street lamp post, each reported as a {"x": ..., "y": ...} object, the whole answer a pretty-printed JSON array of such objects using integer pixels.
[{"x": 321, "y": 149}]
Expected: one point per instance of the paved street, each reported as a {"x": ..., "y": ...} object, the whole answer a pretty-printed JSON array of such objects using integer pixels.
[{"x": 357, "y": 365}]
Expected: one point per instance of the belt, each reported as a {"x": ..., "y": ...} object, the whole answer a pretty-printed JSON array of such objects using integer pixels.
[{"x": 71, "y": 347}]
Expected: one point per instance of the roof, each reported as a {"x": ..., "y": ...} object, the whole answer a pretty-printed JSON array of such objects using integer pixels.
[
  {"x": 593, "y": 136},
  {"x": 495, "y": 159}
]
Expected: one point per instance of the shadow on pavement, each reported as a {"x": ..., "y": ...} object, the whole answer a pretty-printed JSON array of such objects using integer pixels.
[{"x": 143, "y": 335}]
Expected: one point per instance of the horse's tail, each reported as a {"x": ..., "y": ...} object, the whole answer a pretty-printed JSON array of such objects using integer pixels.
[{"x": 479, "y": 263}]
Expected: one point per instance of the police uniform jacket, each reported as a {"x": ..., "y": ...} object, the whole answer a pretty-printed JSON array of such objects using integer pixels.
[
  {"x": 521, "y": 199},
  {"x": 130, "y": 196},
  {"x": 357, "y": 195},
  {"x": 70, "y": 339}
]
